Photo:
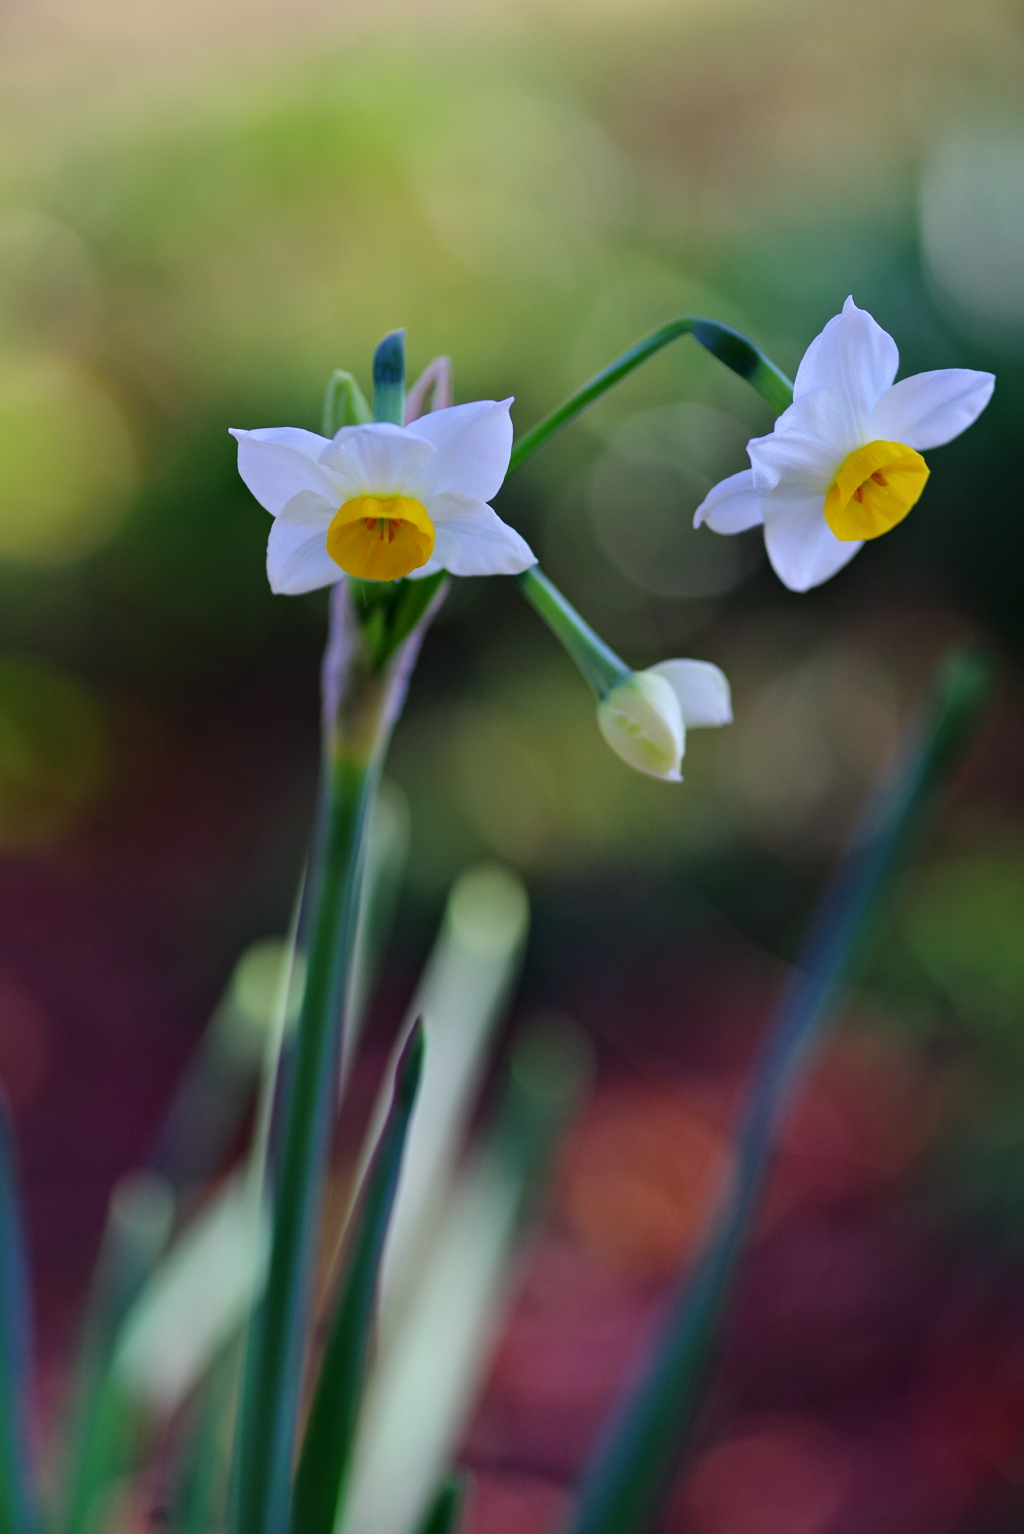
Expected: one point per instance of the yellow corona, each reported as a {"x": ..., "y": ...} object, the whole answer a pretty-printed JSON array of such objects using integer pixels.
[
  {"x": 380, "y": 538},
  {"x": 875, "y": 488}
]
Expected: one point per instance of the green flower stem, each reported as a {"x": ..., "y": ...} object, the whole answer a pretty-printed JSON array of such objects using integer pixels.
[
  {"x": 361, "y": 704},
  {"x": 631, "y": 1471},
  {"x": 600, "y": 665},
  {"x": 739, "y": 354}
]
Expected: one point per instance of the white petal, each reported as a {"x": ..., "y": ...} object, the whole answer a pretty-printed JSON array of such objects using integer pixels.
[
  {"x": 297, "y": 560},
  {"x": 854, "y": 355},
  {"x": 931, "y": 408},
  {"x": 379, "y": 459},
  {"x": 809, "y": 442},
  {"x": 732, "y": 506},
  {"x": 307, "y": 509},
  {"x": 473, "y": 540},
  {"x": 277, "y": 462},
  {"x": 803, "y": 549},
  {"x": 308, "y": 442},
  {"x": 702, "y": 690},
  {"x": 473, "y": 445}
]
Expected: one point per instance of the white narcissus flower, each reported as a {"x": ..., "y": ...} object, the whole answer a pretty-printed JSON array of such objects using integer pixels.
[
  {"x": 843, "y": 463},
  {"x": 645, "y": 718},
  {"x": 382, "y": 501}
]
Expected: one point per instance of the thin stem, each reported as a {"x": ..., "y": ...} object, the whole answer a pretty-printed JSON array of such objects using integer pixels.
[
  {"x": 600, "y": 665},
  {"x": 739, "y": 354},
  {"x": 361, "y": 703}
]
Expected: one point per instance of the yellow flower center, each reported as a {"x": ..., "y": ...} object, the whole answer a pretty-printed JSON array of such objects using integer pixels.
[
  {"x": 874, "y": 489},
  {"x": 380, "y": 537}
]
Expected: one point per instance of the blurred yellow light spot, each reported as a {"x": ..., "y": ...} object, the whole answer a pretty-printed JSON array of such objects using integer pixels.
[
  {"x": 380, "y": 538},
  {"x": 53, "y": 754},
  {"x": 67, "y": 465},
  {"x": 874, "y": 489}
]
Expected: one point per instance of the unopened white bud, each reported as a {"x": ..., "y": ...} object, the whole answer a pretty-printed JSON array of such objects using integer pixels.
[
  {"x": 642, "y": 722},
  {"x": 645, "y": 718}
]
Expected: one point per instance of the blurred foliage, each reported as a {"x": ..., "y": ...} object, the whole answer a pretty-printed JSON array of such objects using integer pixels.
[
  {"x": 54, "y": 756},
  {"x": 966, "y": 928}
]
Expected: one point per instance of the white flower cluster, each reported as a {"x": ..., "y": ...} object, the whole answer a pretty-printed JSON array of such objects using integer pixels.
[{"x": 842, "y": 465}]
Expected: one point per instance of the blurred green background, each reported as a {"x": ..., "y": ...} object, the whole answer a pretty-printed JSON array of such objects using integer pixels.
[{"x": 205, "y": 209}]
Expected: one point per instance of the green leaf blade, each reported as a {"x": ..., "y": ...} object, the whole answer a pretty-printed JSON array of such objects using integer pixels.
[
  {"x": 272, "y": 1379},
  {"x": 630, "y": 1473},
  {"x": 444, "y": 1514},
  {"x": 330, "y": 1431}
]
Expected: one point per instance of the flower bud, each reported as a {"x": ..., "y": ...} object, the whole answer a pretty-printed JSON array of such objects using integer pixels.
[
  {"x": 389, "y": 379},
  {"x": 643, "y": 723},
  {"x": 643, "y": 715}
]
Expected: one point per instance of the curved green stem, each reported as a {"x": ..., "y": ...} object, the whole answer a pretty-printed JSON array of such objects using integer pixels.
[
  {"x": 739, "y": 354},
  {"x": 600, "y": 665}
]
